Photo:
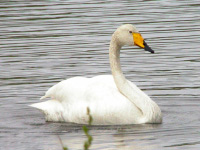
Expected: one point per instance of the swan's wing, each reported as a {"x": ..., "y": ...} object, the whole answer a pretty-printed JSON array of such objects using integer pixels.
[
  {"x": 105, "y": 101},
  {"x": 67, "y": 89},
  {"x": 74, "y": 88}
]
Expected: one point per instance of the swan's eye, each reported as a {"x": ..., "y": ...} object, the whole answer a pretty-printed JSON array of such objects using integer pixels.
[{"x": 130, "y": 32}]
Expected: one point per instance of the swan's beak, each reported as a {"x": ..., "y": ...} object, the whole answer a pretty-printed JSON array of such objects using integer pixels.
[{"x": 139, "y": 41}]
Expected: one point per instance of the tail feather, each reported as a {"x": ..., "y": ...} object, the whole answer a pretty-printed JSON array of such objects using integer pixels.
[
  {"x": 43, "y": 97},
  {"x": 52, "y": 109}
]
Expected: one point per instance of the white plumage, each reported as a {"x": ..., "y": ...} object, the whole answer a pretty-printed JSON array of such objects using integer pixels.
[{"x": 112, "y": 99}]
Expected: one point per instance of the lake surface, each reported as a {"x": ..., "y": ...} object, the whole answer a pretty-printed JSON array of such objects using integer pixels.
[{"x": 44, "y": 42}]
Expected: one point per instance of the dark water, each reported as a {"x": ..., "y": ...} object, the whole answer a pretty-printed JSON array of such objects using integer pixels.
[{"x": 44, "y": 42}]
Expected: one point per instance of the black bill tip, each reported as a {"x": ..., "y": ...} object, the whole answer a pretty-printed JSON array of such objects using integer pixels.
[{"x": 147, "y": 48}]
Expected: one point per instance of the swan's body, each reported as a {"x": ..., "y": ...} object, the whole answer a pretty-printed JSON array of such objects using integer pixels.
[{"x": 112, "y": 99}]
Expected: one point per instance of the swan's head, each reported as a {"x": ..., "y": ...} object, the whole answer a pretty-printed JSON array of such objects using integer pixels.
[{"x": 128, "y": 35}]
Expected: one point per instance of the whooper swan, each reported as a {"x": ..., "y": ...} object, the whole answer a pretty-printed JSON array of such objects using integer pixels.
[{"x": 112, "y": 99}]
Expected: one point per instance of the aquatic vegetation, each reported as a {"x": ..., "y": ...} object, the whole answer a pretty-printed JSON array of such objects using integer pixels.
[{"x": 88, "y": 142}]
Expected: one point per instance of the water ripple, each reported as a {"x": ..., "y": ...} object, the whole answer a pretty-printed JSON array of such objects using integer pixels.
[{"x": 44, "y": 42}]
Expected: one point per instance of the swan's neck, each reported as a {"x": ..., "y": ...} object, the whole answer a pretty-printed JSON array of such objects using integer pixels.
[
  {"x": 119, "y": 78},
  {"x": 134, "y": 94},
  {"x": 114, "y": 56}
]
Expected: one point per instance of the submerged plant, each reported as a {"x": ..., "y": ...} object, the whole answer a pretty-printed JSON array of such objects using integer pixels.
[
  {"x": 63, "y": 147},
  {"x": 88, "y": 142}
]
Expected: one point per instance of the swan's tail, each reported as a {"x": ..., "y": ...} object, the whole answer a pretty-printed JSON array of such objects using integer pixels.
[{"x": 52, "y": 109}]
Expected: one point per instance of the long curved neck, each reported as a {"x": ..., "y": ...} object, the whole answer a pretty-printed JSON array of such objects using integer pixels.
[
  {"x": 131, "y": 92},
  {"x": 114, "y": 56},
  {"x": 119, "y": 78}
]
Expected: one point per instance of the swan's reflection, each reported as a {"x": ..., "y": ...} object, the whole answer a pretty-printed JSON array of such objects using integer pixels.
[
  {"x": 130, "y": 137},
  {"x": 135, "y": 138}
]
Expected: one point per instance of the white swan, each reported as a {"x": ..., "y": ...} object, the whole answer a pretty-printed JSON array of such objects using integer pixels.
[{"x": 112, "y": 99}]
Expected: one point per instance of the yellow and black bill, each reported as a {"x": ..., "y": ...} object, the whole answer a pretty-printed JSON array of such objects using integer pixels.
[{"x": 139, "y": 41}]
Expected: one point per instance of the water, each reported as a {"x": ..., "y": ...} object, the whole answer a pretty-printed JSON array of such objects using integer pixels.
[{"x": 44, "y": 42}]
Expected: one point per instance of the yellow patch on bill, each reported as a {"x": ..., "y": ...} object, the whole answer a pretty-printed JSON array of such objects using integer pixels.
[{"x": 138, "y": 40}]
